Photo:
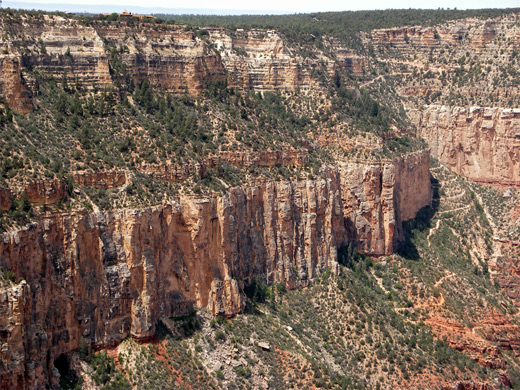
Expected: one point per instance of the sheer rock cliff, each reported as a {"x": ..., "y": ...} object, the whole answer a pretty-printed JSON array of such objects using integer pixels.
[
  {"x": 480, "y": 143},
  {"x": 105, "y": 276},
  {"x": 175, "y": 58}
]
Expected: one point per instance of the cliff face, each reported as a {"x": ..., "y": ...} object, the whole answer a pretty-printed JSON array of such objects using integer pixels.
[
  {"x": 478, "y": 143},
  {"x": 172, "y": 57},
  {"x": 463, "y": 63},
  {"x": 45, "y": 192},
  {"x": 260, "y": 60},
  {"x": 453, "y": 78},
  {"x": 5, "y": 199},
  {"x": 106, "y": 276},
  {"x": 12, "y": 84},
  {"x": 479, "y": 34},
  {"x": 377, "y": 198}
]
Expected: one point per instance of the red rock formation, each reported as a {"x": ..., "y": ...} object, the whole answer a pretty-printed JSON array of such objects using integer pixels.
[
  {"x": 378, "y": 197},
  {"x": 469, "y": 386},
  {"x": 12, "y": 84},
  {"x": 106, "y": 180},
  {"x": 5, "y": 199},
  {"x": 479, "y": 143},
  {"x": 14, "y": 309},
  {"x": 46, "y": 192},
  {"x": 108, "y": 275}
]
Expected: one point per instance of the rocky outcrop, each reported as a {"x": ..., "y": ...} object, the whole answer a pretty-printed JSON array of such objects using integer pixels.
[
  {"x": 412, "y": 173},
  {"x": 353, "y": 63},
  {"x": 469, "y": 386},
  {"x": 479, "y": 143},
  {"x": 105, "y": 180},
  {"x": 260, "y": 60},
  {"x": 474, "y": 33},
  {"x": 170, "y": 57},
  {"x": 400, "y": 37},
  {"x": 13, "y": 318},
  {"x": 173, "y": 172},
  {"x": 108, "y": 275},
  {"x": 465, "y": 62},
  {"x": 180, "y": 172},
  {"x": 176, "y": 58},
  {"x": 263, "y": 159},
  {"x": 5, "y": 199},
  {"x": 378, "y": 197},
  {"x": 12, "y": 84},
  {"x": 46, "y": 192}
]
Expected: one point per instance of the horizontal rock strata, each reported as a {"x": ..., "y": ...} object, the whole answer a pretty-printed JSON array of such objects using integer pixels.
[{"x": 476, "y": 142}]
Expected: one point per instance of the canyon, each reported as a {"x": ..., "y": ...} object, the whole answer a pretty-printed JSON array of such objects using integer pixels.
[
  {"x": 175, "y": 58},
  {"x": 105, "y": 276},
  {"x": 82, "y": 274}
]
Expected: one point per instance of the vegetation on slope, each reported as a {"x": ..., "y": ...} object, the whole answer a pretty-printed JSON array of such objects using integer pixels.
[
  {"x": 341, "y": 333},
  {"x": 345, "y": 26},
  {"x": 429, "y": 317}
]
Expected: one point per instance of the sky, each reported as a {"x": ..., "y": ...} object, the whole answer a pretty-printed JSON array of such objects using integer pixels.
[{"x": 267, "y": 6}]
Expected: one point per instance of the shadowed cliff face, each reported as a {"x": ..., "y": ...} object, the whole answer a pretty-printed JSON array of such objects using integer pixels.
[{"x": 106, "y": 276}]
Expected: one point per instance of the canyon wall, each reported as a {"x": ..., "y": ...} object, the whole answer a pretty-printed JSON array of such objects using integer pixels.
[
  {"x": 377, "y": 198},
  {"x": 12, "y": 84},
  {"x": 474, "y": 33},
  {"x": 477, "y": 32},
  {"x": 175, "y": 58},
  {"x": 104, "y": 276},
  {"x": 480, "y": 143}
]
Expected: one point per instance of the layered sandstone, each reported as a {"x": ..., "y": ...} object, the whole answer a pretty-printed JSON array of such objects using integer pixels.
[
  {"x": 173, "y": 172},
  {"x": 475, "y": 33},
  {"x": 476, "y": 142},
  {"x": 12, "y": 84},
  {"x": 175, "y": 58},
  {"x": 105, "y": 180},
  {"x": 46, "y": 192},
  {"x": 466, "y": 62},
  {"x": 260, "y": 60},
  {"x": 108, "y": 275},
  {"x": 172, "y": 57}
]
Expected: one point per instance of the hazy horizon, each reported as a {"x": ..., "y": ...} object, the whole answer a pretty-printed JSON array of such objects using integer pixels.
[
  {"x": 95, "y": 8},
  {"x": 234, "y": 7}
]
